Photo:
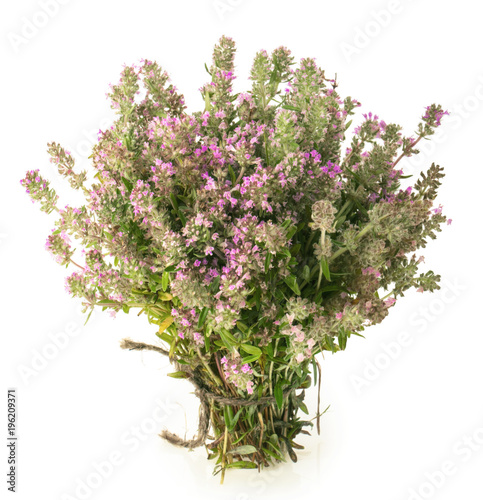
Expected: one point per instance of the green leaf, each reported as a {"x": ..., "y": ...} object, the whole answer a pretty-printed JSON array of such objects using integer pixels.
[
  {"x": 172, "y": 347},
  {"x": 250, "y": 359},
  {"x": 279, "y": 361},
  {"x": 251, "y": 349},
  {"x": 207, "y": 341},
  {"x": 285, "y": 252},
  {"x": 127, "y": 183},
  {"x": 269, "y": 349},
  {"x": 276, "y": 456},
  {"x": 232, "y": 174},
  {"x": 203, "y": 315},
  {"x": 228, "y": 339},
  {"x": 303, "y": 407},
  {"x": 236, "y": 417},
  {"x": 242, "y": 436},
  {"x": 258, "y": 294},
  {"x": 278, "y": 393},
  {"x": 165, "y": 324},
  {"x": 325, "y": 268},
  {"x": 292, "y": 283},
  {"x": 215, "y": 285},
  {"x": 228, "y": 416},
  {"x": 242, "y": 327},
  {"x": 208, "y": 105},
  {"x": 314, "y": 370},
  {"x": 342, "y": 339},
  {"x": 291, "y": 108},
  {"x": 306, "y": 273},
  {"x": 179, "y": 374},
  {"x": 242, "y": 464},
  {"x": 291, "y": 232},
  {"x": 268, "y": 258},
  {"x": 174, "y": 201},
  {"x": 328, "y": 340},
  {"x": 274, "y": 442},
  {"x": 361, "y": 208},
  {"x": 88, "y": 316},
  {"x": 164, "y": 336},
  {"x": 165, "y": 281},
  {"x": 106, "y": 301},
  {"x": 246, "y": 449},
  {"x": 155, "y": 278},
  {"x": 286, "y": 223}
]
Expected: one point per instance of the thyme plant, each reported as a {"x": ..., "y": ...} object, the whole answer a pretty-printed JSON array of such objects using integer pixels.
[{"x": 246, "y": 235}]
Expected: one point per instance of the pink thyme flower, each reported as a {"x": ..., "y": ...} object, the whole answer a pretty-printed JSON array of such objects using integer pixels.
[{"x": 299, "y": 358}]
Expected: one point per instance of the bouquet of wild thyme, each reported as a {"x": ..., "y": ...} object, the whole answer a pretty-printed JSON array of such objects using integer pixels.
[{"x": 246, "y": 236}]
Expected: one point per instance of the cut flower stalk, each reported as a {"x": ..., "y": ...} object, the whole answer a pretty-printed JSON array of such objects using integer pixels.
[{"x": 248, "y": 432}]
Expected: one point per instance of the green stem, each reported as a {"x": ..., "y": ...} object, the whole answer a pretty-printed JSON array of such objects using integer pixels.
[
  {"x": 264, "y": 104},
  {"x": 322, "y": 246},
  {"x": 342, "y": 210},
  {"x": 216, "y": 380},
  {"x": 223, "y": 456},
  {"x": 339, "y": 252},
  {"x": 367, "y": 228},
  {"x": 240, "y": 175},
  {"x": 388, "y": 295},
  {"x": 75, "y": 264},
  {"x": 309, "y": 241},
  {"x": 404, "y": 153}
]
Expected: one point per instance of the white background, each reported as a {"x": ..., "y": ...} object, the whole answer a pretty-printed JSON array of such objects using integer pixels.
[{"x": 393, "y": 421}]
